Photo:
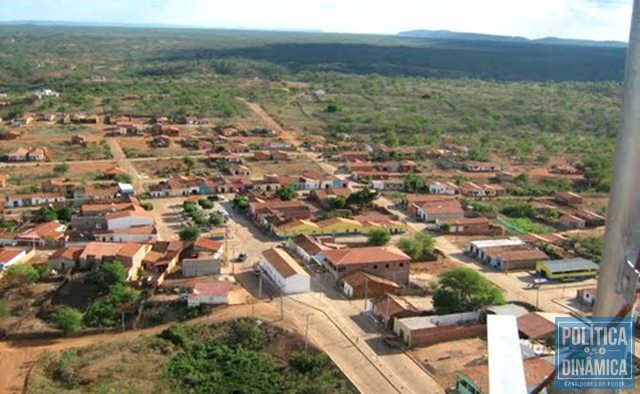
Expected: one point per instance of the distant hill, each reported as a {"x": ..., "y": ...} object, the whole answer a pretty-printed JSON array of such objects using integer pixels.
[{"x": 452, "y": 35}]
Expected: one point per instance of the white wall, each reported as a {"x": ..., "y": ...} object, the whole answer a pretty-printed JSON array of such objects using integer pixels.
[{"x": 129, "y": 221}]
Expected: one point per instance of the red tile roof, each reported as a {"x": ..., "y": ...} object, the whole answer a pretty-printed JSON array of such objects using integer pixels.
[
  {"x": 211, "y": 288},
  {"x": 366, "y": 255},
  {"x": 283, "y": 262},
  {"x": 535, "y": 326}
]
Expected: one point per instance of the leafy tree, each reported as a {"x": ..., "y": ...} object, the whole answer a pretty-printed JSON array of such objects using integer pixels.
[
  {"x": 62, "y": 168},
  {"x": 379, "y": 236},
  {"x": 332, "y": 108},
  {"x": 216, "y": 219},
  {"x": 391, "y": 138},
  {"x": 124, "y": 178},
  {"x": 464, "y": 290},
  {"x": 240, "y": 203},
  {"x": 189, "y": 234},
  {"x": 338, "y": 202},
  {"x": 109, "y": 274},
  {"x": 189, "y": 161},
  {"x": 22, "y": 273},
  {"x": 362, "y": 198},
  {"x": 45, "y": 214},
  {"x": 68, "y": 319},
  {"x": 64, "y": 213},
  {"x": 248, "y": 334},
  {"x": 8, "y": 225},
  {"x": 189, "y": 206},
  {"x": 420, "y": 246},
  {"x": 205, "y": 203},
  {"x": 519, "y": 210},
  {"x": 414, "y": 183},
  {"x": 288, "y": 192},
  {"x": 147, "y": 206},
  {"x": 101, "y": 314},
  {"x": 121, "y": 295}
]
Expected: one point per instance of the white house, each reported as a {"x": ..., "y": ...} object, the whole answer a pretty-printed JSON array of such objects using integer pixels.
[
  {"x": 33, "y": 199},
  {"x": 449, "y": 188},
  {"x": 10, "y": 256},
  {"x": 130, "y": 234},
  {"x": 208, "y": 293},
  {"x": 127, "y": 219},
  {"x": 281, "y": 268}
]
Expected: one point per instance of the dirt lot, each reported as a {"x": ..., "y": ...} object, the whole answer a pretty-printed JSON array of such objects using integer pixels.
[
  {"x": 28, "y": 175},
  {"x": 426, "y": 273},
  {"x": 444, "y": 359},
  {"x": 297, "y": 165}
]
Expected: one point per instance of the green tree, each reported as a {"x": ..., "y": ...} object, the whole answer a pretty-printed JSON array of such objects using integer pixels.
[
  {"x": 205, "y": 203},
  {"x": 147, "y": 206},
  {"x": 338, "y": 202},
  {"x": 68, "y": 319},
  {"x": 60, "y": 169},
  {"x": 109, "y": 274},
  {"x": 124, "y": 178},
  {"x": 464, "y": 290},
  {"x": 64, "y": 213},
  {"x": 420, "y": 246},
  {"x": 288, "y": 192},
  {"x": 190, "y": 234},
  {"x": 240, "y": 203},
  {"x": 332, "y": 108},
  {"x": 391, "y": 138},
  {"x": 22, "y": 273},
  {"x": 189, "y": 162},
  {"x": 216, "y": 219},
  {"x": 414, "y": 183},
  {"x": 101, "y": 314},
  {"x": 362, "y": 198},
  {"x": 379, "y": 236},
  {"x": 45, "y": 215}
]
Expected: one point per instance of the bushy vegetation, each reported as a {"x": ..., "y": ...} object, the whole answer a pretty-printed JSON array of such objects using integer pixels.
[
  {"x": 420, "y": 246},
  {"x": 189, "y": 234},
  {"x": 379, "y": 236},
  {"x": 589, "y": 247},
  {"x": 48, "y": 214},
  {"x": 464, "y": 290},
  {"x": 118, "y": 298},
  {"x": 68, "y": 319}
]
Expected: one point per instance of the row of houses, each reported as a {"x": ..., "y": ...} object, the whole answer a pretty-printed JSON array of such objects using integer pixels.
[{"x": 23, "y": 154}]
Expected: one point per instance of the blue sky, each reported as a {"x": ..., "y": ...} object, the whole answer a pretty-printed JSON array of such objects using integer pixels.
[{"x": 589, "y": 19}]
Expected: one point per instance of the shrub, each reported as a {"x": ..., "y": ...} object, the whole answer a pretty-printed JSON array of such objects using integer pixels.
[
  {"x": 205, "y": 203},
  {"x": 68, "y": 319},
  {"x": 109, "y": 274},
  {"x": 420, "y": 246},
  {"x": 379, "y": 236},
  {"x": 189, "y": 234},
  {"x": 22, "y": 273},
  {"x": 147, "y": 206}
]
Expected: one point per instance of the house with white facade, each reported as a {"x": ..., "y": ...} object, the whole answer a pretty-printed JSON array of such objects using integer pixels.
[
  {"x": 129, "y": 234},
  {"x": 33, "y": 199},
  {"x": 11, "y": 256},
  {"x": 127, "y": 219},
  {"x": 209, "y": 293},
  {"x": 284, "y": 271},
  {"x": 449, "y": 188}
]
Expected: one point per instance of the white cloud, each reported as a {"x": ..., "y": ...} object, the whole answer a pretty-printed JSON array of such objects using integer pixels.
[{"x": 592, "y": 19}]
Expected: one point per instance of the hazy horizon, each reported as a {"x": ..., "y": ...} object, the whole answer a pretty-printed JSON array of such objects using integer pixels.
[{"x": 602, "y": 20}]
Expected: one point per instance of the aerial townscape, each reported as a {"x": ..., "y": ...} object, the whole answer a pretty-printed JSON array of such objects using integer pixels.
[{"x": 211, "y": 211}]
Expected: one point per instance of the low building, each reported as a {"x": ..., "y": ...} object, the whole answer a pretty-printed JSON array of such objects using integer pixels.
[
  {"x": 128, "y": 219},
  {"x": 46, "y": 234},
  {"x": 475, "y": 379},
  {"x": 469, "y": 226},
  {"x": 387, "y": 308},
  {"x": 388, "y": 262},
  {"x": 440, "y": 210},
  {"x": 591, "y": 219},
  {"x": 534, "y": 326},
  {"x": 11, "y": 256},
  {"x": 566, "y": 269},
  {"x": 518, "y": 258},
  {"x": 33, "y": 199},
  {"x": 284, "y": 271},
  {"x": 130, "y": 255},
  {"x": 209, "y": 293},
  {"x": 65, "y": 259},
  {"x": 480, "y": 166},
  {"x": 126, "y": 189},
  {"x": 140, "y": 234},
  {"x": 572, "y": 222},
  {"x": 362, "y": 285},
  {"x": 311, "y": 249},
  {"x": 449, "y": 188},
  {"x": 197, "y": 261},
  {"x": 569, "y": 198},
  {"x": 428, "y": 330},
  {"x": 477, "y": 248}
]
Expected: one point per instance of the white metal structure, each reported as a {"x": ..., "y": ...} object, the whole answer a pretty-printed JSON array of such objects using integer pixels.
[{"x": 506, "y": 370}]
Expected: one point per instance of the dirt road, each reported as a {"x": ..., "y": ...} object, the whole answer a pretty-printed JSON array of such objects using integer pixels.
[
  {"x": 286, "y": 135},
  {"x": 120, "y": 158},
  {"x": 18, "y": 357}
]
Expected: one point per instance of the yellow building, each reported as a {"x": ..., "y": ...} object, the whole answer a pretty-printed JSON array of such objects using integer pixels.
[{"x": 567, "y": 269}]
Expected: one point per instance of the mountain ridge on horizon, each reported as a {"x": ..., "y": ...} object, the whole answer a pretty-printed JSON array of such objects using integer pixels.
[{"x": 453, "y": 35}]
